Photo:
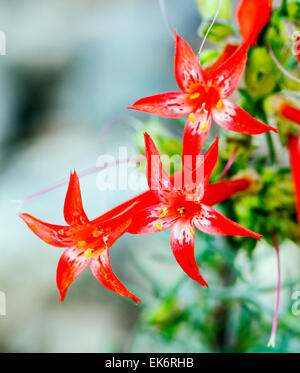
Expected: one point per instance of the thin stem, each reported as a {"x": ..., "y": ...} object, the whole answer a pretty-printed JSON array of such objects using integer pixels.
[
  {"x": 65, "y": 180},
  {"x": 162, "y": 6},
  {"x": 211, "y": 25},
  {"x": 229, "y": 164},
  {"x": 271, "y": 147},
  {"x": 280, "y": 67},
  {"x": 272, "y": 340}
]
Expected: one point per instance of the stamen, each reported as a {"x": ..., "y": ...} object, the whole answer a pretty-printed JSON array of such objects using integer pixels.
[
  {"x": 47, "y": 239},
  {"x": 88, "y": 253},
  {"x": 164, "y": 212},
  {"x": 192, "y": 230},
  {"x": 96, "y": 233},
  {"x": 219, "y": 104},
  {"x": 192, "y": 118},
  {"x": 158, "y": 226},
  {"x": 81, "y": 243},
  {"x": 194, "y": 96},
  {"x": 204, "y": 126},
  {"x": 181, "y": 210}
]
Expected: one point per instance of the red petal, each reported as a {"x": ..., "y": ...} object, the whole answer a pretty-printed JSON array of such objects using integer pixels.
[
  {"x": 70, "y": 265},
  {"x": 227, "y": 75},
  {"x": 197, "y": 181},
  {"x": 188, "y": 71},
  {"x": 141, "y": 201},
  {"x": 252, "y": 16},
  {"x": 73, "y": 209},
  {"x": 294, "y": 149},
  {"x": 147, "y": 220},
  {"x": 228, "y": 52},
  {"x": 55, "y": 235},
  {"x": 195, "y": 134},
  {"x": 101, "y": 269},
  {"x": 158, "y": 179},
  {"x": 234, "y": 118},
  {"x": 169, "y": 105},
  {"x": 213, "y": 222},
  {"x": 218, "y": 192},
  {"x": 290, "y": 113},
  {"x": 115, "y": 227},
  {"x": 182, "y": 243}
]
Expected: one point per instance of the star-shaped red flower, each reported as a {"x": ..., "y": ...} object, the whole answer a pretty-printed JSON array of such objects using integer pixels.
[
  {"x": 86, "y": 242},
  {"x": 204, "y": 95},
  {"x": 184, "y": 203}
]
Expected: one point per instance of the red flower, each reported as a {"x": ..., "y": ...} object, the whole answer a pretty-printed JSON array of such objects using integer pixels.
[
  {"x": 252, "y": 16},
  {"x": 293, "y": 114},
  {"x": 87, "y": 242},
  {"x": 184, "y": 208},
  {"x": 204, "y": 96},
  {"x": 290, "y": 113}
]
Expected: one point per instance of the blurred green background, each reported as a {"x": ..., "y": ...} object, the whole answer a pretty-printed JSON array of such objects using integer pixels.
[{"x": 72, "y": 67}]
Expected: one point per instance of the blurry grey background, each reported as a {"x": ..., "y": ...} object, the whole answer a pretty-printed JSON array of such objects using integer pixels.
[{"x": 72, "y": 67}]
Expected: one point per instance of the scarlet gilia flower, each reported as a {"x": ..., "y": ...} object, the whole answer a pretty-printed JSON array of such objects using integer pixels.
[
  {"x": 86, "y": 242},
  {"x": 252, "y": 16},
  {"x": 204, "y": 96},
  {"x": 184, "y": 208},
  {"x": 293, "y": 114}
]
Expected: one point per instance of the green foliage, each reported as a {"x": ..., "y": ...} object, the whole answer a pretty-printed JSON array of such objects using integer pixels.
[
  {"x": 219, "y": 32},
  {"x": 208, "y": 8}
]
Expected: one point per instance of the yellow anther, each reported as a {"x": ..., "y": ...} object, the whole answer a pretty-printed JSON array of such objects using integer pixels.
[
  {"x": 88, "y": 253},
  {"x": 219, "y": 104},
  {"x": 194, "y": 96},
  {"x": 96, "y": 233},
  {"x": 81, "y": 243},
  {"x": 204, "y": 126},
  {"x": 192, "y": 230},
  {"x": 158, "y": 226},
  {"x": 163, "y": 213},
  {"x": 181, "y": 210},
  {"x": 192, "y": 118}
]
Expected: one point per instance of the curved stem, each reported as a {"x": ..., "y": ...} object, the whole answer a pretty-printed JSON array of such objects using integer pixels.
[
  {"x": 162, "y": 6},
  {"x": 211, "y": 25},
  {"x": 272, "y": 340},
  {"x": 65, "y": 180},
  {"x": 229, "y": 164},
  {"x": 280, "y": 67}
]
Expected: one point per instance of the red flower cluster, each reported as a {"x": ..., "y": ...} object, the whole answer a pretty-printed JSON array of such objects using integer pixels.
[{"x": 182, "y": 202}]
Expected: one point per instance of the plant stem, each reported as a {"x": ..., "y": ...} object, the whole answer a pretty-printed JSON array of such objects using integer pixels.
[
  {"x": 271, "y": 147},
  {"x": 272, "y": 340}
]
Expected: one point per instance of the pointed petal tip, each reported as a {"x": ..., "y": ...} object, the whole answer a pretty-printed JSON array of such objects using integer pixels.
[
  {"x": 62, "y": 295},
  {"x": 201, "y": 281},
  {"x": 136, "y": 300}
]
